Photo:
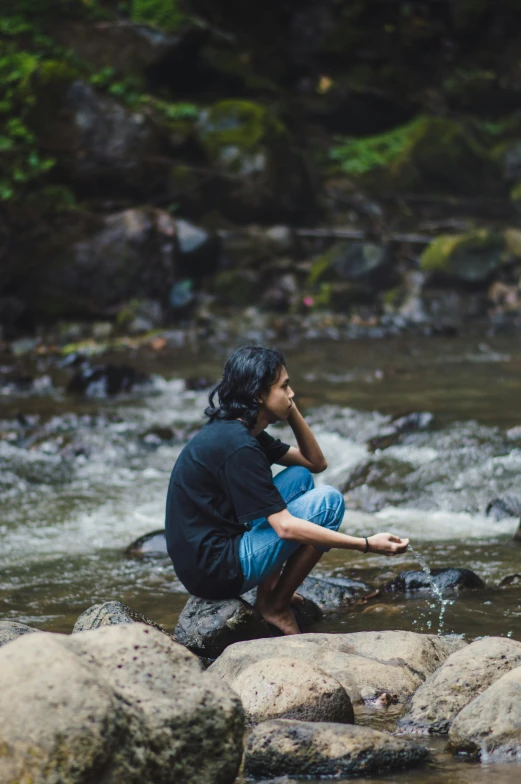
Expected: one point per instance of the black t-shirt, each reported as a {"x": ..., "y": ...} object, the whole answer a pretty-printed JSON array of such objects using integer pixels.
[{"x": 221, "y": 480}]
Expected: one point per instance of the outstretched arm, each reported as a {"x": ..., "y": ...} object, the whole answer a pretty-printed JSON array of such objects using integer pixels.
[
  {"x": 294, "y": 528},
  {"x": 308, "y": 452}
]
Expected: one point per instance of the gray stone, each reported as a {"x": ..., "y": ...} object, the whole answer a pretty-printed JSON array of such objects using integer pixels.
[
  {"x": 489, "y": 727},
  {"x": 11, "y": 630},
  {"x": 444, "y": 579},
  {"x": 208, "y": 626},
  {"x": 291, "y": 688},
  {"x": 314, "y": 749},
  {"x": 462, "y": 677},
  {"x": 332, "y": 592},
  {"x": 152, "y": 545},
  {"x": 111, "y": 614},
  {"x": 121, "y": 703}
]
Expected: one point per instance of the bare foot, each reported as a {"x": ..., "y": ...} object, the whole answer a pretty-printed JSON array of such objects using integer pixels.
[
  {"x": 297, "y": 599},
  {"x": 282, "y": 619}
]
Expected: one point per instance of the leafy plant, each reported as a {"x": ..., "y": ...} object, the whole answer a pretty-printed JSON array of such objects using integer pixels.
[
  {"x": 164, "y": 14},
  {"x": 360, "y": 156}
]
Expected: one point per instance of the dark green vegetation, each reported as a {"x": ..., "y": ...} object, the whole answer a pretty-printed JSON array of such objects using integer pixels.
[{"x": 383, "y": 117}]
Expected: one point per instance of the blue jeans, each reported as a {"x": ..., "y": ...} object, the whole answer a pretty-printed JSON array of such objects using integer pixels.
[{"x": 261, "y": 551}]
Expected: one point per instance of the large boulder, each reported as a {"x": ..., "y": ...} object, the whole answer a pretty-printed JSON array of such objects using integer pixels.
[
  {"x": 316, "y": 749},
  {"x": 490, "y": 726},
  {"x": 442, "y": 579},
  {"x": 290, "y": 688},
  {"x": 121, "y": 703},
  {"x": 111, "y": 614},
  {"x": 101, "y": 145},
  {"x": 393, "y": 662},
  {"x": 462, "y": 677},
  {"x": 208, "y": 626},
  {"x": 11, "y": 630},
  {"x": 93, "y": 266}
]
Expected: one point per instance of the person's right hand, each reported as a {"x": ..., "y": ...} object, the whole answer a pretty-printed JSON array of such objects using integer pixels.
[{"x": 387, "y": 544}]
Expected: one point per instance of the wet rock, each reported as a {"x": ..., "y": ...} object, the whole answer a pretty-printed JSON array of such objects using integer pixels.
[
  {"x": 444, "y": 579},
  {"x": 316, "y": 749},
  {"x": 11, "y": 630},
  {"x": 105, "y": 380},
  {"x": 291, "y": 689},
  {"x": 502, "y": 508},
  {"x": 207, "y": 627},
  {"x": 472, "y": 257},
  {"x": 111, "y": 614},
  {"x": 152, "y": 545},
  {"x": 461, "y": 678},
  {"x": 122, "y": 703},
  {"x": 393, "y": 662},
  {"x": 488, "y": 727},
  {"x": 509, "y": 580},
  {"x": 414, "y": 421},
  {"x": 332, "y": 592}
]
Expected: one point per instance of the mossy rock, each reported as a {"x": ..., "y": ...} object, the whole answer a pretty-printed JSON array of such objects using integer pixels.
[
  {"x": 433, "y": 153},
  {"x": 351, "y": 261},
  {"x": 237, "y": 287},
  {"x": 472, "y": 257},
  {"x": 513, "y": 241}
]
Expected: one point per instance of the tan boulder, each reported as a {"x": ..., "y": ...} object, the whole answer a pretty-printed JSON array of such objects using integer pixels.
[
  {"x": 489, "y": 727},
  {"x": 463, "y": 676},
  {"x": 291, "y": 689}
]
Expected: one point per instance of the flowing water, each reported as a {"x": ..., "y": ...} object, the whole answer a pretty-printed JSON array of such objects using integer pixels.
[{"x": 80, "y": 479}]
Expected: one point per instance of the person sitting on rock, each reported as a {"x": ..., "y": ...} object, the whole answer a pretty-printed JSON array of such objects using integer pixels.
[{"x": 231, "y": 526}]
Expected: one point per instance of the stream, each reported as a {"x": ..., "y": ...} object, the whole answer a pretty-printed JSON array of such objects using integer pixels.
[{"x": 81, "y": 478}]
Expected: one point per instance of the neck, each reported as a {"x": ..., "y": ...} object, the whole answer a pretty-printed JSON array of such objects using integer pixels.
[{"x": 261, "y": 424}]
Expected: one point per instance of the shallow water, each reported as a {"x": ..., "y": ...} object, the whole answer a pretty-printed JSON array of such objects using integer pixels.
[{"x": 81, "y": 479}]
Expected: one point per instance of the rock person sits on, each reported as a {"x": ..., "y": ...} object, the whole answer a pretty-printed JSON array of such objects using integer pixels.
[{"x": 231, "y": 526}]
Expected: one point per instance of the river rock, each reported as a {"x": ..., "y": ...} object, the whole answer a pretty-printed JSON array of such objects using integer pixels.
[
  {"x": 316, "y": 749},
  {"x": 152, "y": 545},
  {"x": 504, "y": 507},
  {"x": 122, "y": 703},
  {"x": 489, "y": 727},
  {"x": 394, "y": 662},
  {"x": 333, "y": 592},
  {"x": 208, "y": 626},
  {"x": 100, "y": 143},
  {"x": 472, "y": 257},
  {"x": 462, "y": 677},
  {"x": 444, "y": 579},
  {"x": 103, "y": 381},
  {"x": 291, "y": 689},
  {"x": 111, "y": 614},
  {"x": 11, "y": 630}
]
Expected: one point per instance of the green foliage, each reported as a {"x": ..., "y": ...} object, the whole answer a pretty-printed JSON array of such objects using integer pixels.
[
  {"x": 360, "y": 156},
  {"x": 127, "y": 89},
  {"x": 466, "y": 81},
  {"x": 167, "y": 15}
]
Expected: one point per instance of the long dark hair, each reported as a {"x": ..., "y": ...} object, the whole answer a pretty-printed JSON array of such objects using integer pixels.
[{"x": 248, "y": 372}]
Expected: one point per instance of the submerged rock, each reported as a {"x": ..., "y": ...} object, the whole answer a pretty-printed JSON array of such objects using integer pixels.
[
  {"x": 152, "y": 545},
  {"x": 292, "y": 689},
  {"x": 444, "y": 579},
  {"x": 488, "y": 727},
  {"x": 111, "y": 614},
  {"x": 472, "y": 257},
  {"x": 105, "y": 380},
  {"x": 207, "y": 626},
  {"x": 462, "y": 677},
  {"x": 315, "y": 749},
  {"x": 332, "y": 592},
  {"x": 123, "y": 703},
  {"x": 11, "y": 630},
  {"x": 504, "y": 507}
]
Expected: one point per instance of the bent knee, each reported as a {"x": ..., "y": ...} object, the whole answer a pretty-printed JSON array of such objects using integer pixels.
[
  {"x": 301, "y": 475},
  {"x": 333, "y": 498}
]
